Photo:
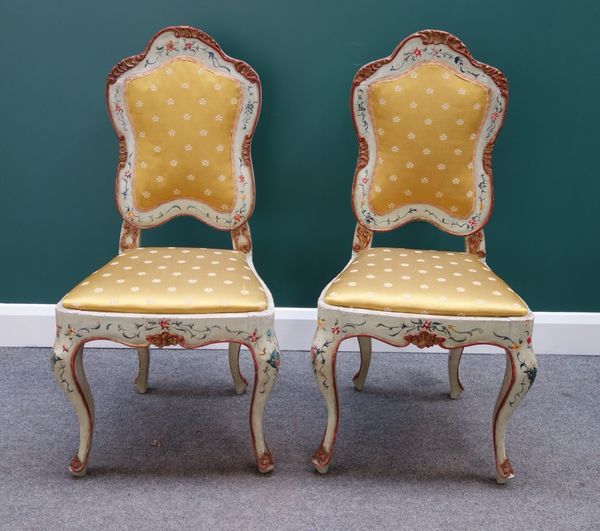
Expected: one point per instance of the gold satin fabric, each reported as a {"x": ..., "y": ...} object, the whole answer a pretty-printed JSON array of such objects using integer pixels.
[
  {"x": 171, "y": 280},
  {"x": 183, "y": 116},
  {"x": 426, "y": 123},
  {"x": 432, "y": 282}
]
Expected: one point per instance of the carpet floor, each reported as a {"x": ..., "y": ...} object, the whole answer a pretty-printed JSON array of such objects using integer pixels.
[{"x": 407, "y": 456}]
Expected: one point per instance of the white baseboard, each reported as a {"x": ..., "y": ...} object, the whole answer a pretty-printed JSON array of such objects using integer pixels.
[{"x": 32, "y": 325}]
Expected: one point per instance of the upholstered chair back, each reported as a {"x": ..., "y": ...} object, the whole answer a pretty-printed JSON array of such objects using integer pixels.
[
  {"x": 426, "y": 118},
  {"x": 184, "y": 113}
]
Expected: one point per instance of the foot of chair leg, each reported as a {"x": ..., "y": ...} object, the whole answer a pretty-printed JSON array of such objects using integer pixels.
[
  {"x": 77, "y": 468},
  {"x": 265, "y": 463},
  {"x": 505, "y": 473},
  {"x": 320, "y": 460}
]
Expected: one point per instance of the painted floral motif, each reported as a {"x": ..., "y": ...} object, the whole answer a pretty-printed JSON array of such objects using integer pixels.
[
  {"x": 161, "y": 332},
  {"x": 254, "y": 328},
  {"x": 335, "y": 326},
  {"x": 528, "y": 368},
  {"x": 75, "y": 328},
  {"x": 274, "y": 359}
]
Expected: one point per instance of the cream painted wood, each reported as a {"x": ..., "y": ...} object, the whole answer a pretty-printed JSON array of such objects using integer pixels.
[
  {"x": 364, "y": 345},
  {"x": 511, "y": 334},
  {"x": 336, "y": 323},
  {"x": 456, "y": 387},
  {"x": 141, "y": 380},
  {"x": 75, "y": 328},
  {"x": 421, "y": 48},
  {"x": 70, "y": 375},
  {"x": 196, "y": 46},
  {"x": 255, "y": 330},
  {"x": 239, "y": 382}
]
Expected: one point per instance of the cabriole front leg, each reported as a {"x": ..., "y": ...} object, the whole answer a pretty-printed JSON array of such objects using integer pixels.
[
  {"x": 265, "y": 352},
  {"x": 67, "y": 365},
  {"x": 520, "y": 373},
  {"x": 323, "y": 356}
]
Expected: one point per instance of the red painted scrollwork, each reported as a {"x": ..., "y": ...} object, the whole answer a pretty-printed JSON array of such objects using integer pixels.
[
  {"x": 362, "y": 238},
  {"x": 441, "y": 37},
  {"x": 242, "y": 241},
  {"x": 475, "y": 244},
  {"x": 363, "y": 153},
  {"x": 130, "y": 237},
  {"x": 165, "y": 339},
  {"x": 424, "y": 339},
  {"x": 246, "y": 146}
]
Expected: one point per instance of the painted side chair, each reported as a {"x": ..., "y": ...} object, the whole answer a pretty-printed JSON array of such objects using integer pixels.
[
  {"x": 184, "y": 113},
  {"x": 426, "y": 118}
]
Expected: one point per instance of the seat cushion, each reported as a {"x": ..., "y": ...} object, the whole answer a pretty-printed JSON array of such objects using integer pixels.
[
  {"x": 432, "y": 282},
  {"x": 171, "y": 280}
]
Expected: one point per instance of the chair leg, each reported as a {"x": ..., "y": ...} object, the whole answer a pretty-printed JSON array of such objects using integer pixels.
[
  {"x": 240, "y": 383},
  {"x": 323, "y": 355},
  {"x": 456, "y": 387},
  {"x": 364, "y": 344},
  {"x": 141, "y": 380},
  {"x": 67, "y": 366},
  {"x": 520, "y": 373},
  {"x": 266, "y": 366}
]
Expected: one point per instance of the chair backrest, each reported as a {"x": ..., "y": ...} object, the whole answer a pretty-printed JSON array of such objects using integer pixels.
[
  {"x": 185, "y": 114},
  {"x": 426, "y": 118}
]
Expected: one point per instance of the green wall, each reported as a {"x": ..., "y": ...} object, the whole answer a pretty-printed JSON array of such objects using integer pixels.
[{"x": 59, "y": 152}]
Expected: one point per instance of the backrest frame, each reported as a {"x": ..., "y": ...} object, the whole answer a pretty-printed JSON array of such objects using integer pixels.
[
  {"x": 421, "y": 47},
  {"x": 168, "y": 44}
]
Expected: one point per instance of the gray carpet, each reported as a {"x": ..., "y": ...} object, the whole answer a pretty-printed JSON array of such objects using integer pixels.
[{"x": 407, "y": 456}]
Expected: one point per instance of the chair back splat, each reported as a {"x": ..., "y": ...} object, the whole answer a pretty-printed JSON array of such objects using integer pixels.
[
  {"x": 184, "y": 113},
  {"x": 426, "y": 117}
]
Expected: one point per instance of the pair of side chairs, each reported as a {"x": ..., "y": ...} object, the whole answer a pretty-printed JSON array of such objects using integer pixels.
[{"x": 426, "y": 118}]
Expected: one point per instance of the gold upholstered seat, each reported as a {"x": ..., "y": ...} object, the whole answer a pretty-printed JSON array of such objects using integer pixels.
[
  {"x": 171, "y": 280},
  {"x": 430, "y": 282}
]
